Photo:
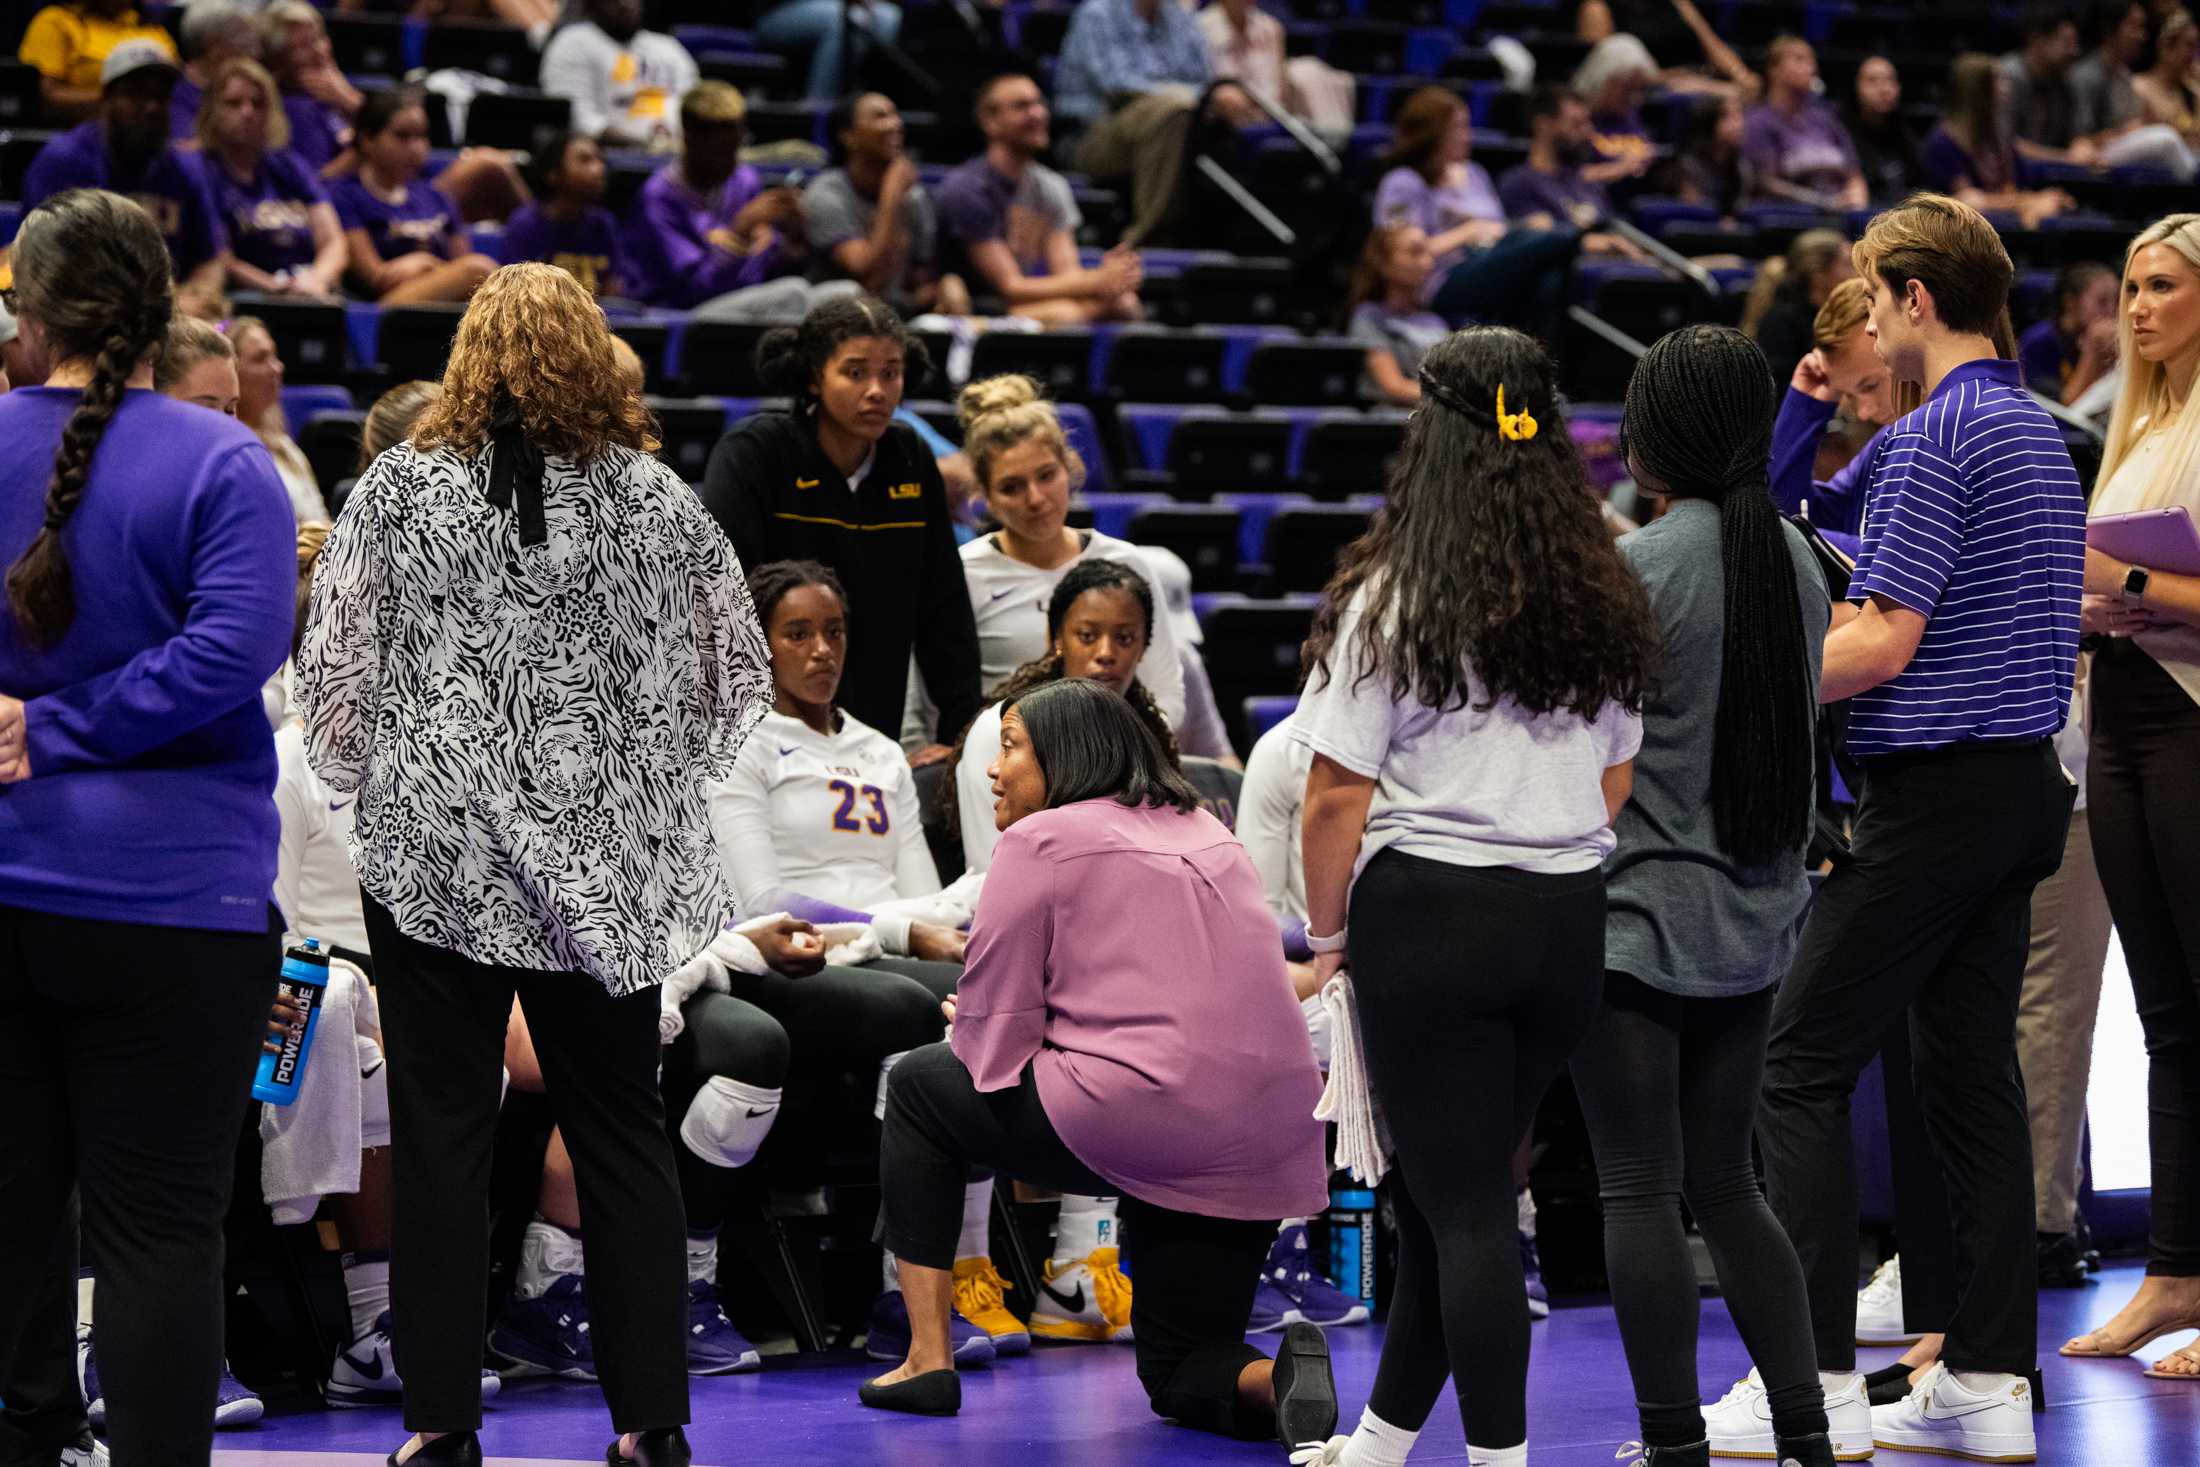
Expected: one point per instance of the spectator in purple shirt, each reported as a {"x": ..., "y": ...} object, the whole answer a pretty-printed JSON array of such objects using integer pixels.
[
  {"x": 1563, "y": 182},
  {"x": 568, "y": 226},
  {"x": 1795, "y": 145},
  {"x": 213, "y": 31},
  {"x": 1486, "y": 269},
  {"x": 407, "y": 242},
  {"x": 1970, "y": 155},
  {"x": 125, "y": 149},
  {"x": 284, "y": 237},
  {"x": 2074, "y": 347},
  {"x": 705, "y": 234}
]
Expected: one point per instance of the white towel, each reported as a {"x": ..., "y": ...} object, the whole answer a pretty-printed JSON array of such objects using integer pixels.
[
  {"x": 309, "y": 1149},
  {"x": 1363, "y": 1143},
  {"x": 711, "y": 970}
]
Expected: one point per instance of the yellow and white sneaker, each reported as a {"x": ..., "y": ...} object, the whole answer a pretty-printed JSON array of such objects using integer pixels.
[
  {"x": 981, "y": 1298},
  {"x": 1089, "y": 1299}
]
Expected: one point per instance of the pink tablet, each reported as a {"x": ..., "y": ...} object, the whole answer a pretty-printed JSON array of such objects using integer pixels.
[{"x": 2159, "y": 539}]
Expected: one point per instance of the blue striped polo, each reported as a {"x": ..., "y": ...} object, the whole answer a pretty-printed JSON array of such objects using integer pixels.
[{"x": 1976, "y": 521}]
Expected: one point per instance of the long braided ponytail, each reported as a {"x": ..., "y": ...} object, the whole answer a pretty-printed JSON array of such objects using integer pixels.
[
  {"x": 1699, "y": 419},
  {"x": 91, "y": 274}
]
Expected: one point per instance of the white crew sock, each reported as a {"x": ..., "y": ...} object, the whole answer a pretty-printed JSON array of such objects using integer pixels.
[
  {"x": 977, "y": 1229},
  {"x": 702, "y": 1255},
  {"x": 1982, "y": 1382},
  {"x": 1835, "y": 1381},
  {"x": 1497, "y": 1456},
  {"x": 367, "y": 1284},
  {"x": 727, "y": 1121},
  {"x": 1086, "y": 1224},
  {"x": 1527, "y": 1213},
  {"x": 1376, "y": 1443},
  {"x": 546, "y": 1253}
]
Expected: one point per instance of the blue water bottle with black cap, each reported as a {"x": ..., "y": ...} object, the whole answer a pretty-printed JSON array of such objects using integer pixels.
[{"x": 304, "y": 982}]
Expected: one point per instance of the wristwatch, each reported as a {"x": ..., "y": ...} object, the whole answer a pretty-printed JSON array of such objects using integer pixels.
[{"x": 2135, "y": 582}]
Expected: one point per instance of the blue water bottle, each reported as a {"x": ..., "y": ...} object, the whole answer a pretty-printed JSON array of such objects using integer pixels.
[
  {"x": 304, "y": 981},
  {"x": 1352, "y": 1240}
]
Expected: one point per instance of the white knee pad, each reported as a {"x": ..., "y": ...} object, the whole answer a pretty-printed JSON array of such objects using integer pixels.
[{"x": 727, "y": 1121}]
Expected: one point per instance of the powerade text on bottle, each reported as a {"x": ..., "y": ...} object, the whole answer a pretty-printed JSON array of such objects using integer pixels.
[
  {"x": 304, "y": 981},
  {"x": 1352, "y": 1240}
]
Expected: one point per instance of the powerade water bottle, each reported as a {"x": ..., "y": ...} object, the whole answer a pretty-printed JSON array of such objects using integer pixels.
[
  {"x": 1352, "y": 1240},
  {"x": 304, "y": 981}
]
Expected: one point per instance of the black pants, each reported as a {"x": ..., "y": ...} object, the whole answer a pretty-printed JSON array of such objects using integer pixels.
[
  {"x": 836, "y": 1018},
  {"x": 1932, "y": 915},
  {"x": 126, "y": 1057},
  {"x": 1669, "y": 1088},
  {"x": 1474, "y": 984},
  {"x": 444, "y": 1017},
  {"x": 1924, "y": 1230},
  {"x": 2143, "y": 797},
  {"x": 1196, "y": 1275}
]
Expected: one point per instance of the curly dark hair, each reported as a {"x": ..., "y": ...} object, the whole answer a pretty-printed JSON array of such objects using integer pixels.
[
  {"x": 1086, "y": 575},
  {"x": 769, "y": 585},
  {"x": 1488, "y": 570},
  {"x": 791, "y": 359}
]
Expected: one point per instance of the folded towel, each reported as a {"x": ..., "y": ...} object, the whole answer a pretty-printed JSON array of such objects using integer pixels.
[{"x": 1363, "y": 1143}]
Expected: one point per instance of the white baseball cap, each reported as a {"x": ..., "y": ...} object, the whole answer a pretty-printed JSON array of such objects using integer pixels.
[{"x": 133, "y": 56}]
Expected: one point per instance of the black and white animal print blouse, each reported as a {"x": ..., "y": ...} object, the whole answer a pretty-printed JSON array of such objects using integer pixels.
[{"x": 530, "y": 729}]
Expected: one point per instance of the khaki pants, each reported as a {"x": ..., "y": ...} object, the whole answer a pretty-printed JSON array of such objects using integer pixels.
[
  {"x": 2055, "y": 1014},
  {"x": 1145, "y": 140}
]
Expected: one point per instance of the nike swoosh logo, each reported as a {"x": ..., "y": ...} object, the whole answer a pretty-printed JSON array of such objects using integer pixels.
[
  {"x": 784, "y": 751},
  {"x": 1073, "y": 1302},
  {"x": 336, "y": 805},
  {"x": 767, "y": 1110},
  {"x": 805, "y": 483},
  {"x": 997, "y": 595},
  {"x": 371, "y": 1369}
]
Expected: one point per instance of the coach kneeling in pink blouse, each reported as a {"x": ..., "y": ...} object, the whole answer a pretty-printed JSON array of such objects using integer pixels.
[{"x": 1123, "y": 1025}]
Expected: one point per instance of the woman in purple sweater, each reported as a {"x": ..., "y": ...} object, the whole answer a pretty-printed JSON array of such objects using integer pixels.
[
  {"x": 150, "y": 570},
  {"x": 1123, "y": 1025}
]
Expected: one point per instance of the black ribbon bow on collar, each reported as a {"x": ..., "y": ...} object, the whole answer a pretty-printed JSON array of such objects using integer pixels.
[{"x": 515, "y": 475}]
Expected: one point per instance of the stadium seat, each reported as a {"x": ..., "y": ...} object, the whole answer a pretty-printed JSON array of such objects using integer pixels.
[
  {"x": 1110, "y": 513},
  {"x": 1205, "y": 535},
  {"x": 501, "y": 51},
  {"x": 690, "y": 429},
  {"x": 522, "y": 121},
  {"x": 1218, "y": 785},
  {"x": 1252, "y": 647},
  {"x": 303, "y": 404},
  {"x": 718, "y": 358},
  {"x": 1304, "y": 542},
  {"x": 1264, "y": 712},
  {"x": 1040, "y": 30},
  {"x": 1156, "y": 364},
  {"x": 758, "y": 74},
  {"x": 330, "y": 442},
  {"x": 649, "y": 338},
  {"x": 17, "y": 149},
  {"x": 415, "y": 341},
  {"x": 20, "y": 98},
  {"x": 368, "y": 43},
  {"x": 1323, "y": 372},
  {"x": 1255, "y": 511},
  {"x": 1349, "y": 453},
  {"x": 1061, "y": 361},
  {"x": 1246, "y": 292},
  {"x": 1377, "y": 46},
  {"x": 310, "y": 336},
  {"x": 11, "y": 219},
  {"x": 1211, "y": 450},
  {"x": 779, "y": 122}
]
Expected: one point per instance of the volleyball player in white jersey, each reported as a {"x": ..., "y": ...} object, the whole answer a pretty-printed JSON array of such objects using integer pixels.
[{"x": 1027, "y": 471}]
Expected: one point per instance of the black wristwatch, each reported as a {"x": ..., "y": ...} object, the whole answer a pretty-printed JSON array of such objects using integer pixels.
[{"x": 2135, "y": 582}]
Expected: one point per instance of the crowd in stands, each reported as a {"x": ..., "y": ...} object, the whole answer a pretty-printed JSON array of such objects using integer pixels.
[{"x": 898, "y": 629}]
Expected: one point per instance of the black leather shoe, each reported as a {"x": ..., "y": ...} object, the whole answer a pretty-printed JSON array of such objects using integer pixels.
[
  {"x": 934, "y": 1393},
  {"x": 1806, "y": 1451},
  {"x": 1698, "y": 1455},
  {"x": 1306, "y": 1393},
  {"x": 459, "y": 1449},
  {"x": 665, "y": 1447}
]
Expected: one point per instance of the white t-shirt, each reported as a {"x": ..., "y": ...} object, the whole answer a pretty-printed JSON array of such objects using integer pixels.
[
  {"x": 314, "y": 883},
  {"x": 1270, "y": 803},
  {"x": 1492, "y": 787},
  {"x": 1010, "y": 599},
  {"x": 828, "y": 817},
  {"x": 634, "y": 90},
  {"x": 974, "y": 790}
]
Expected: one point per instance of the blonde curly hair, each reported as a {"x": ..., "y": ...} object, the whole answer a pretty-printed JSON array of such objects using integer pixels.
[
  {"x": 997, "y": 413},
  {"x": 534, "y": 340}
]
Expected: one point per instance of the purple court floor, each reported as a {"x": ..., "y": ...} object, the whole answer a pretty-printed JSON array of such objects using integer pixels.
[{"x": 1080, "y": 1406}]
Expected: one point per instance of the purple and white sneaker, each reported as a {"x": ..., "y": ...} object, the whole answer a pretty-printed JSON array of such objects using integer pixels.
[
  {"x": 548, "y": 1334},
  {"x": 714, "y": 1346}
]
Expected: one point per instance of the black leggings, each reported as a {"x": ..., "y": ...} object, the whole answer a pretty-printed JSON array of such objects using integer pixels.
[
  {"x": 770, "y": 1027},
  {"x": 1474, "y": 985},
  {"x": 2143, "y": 796},
  {"x": 1196, "y": 1274},
  {"x": 1669, "y": 1088}
]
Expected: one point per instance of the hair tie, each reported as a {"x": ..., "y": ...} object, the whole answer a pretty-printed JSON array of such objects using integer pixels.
[
  {"x": 1517, "y": 427},
  {"x": 515, "y": 475}
]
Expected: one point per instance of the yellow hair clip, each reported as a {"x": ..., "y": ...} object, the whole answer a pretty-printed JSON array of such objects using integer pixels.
[{"x": 1518, "y": 427}]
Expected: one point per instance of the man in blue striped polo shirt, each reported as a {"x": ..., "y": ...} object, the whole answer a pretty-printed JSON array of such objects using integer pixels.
[{"x": 1956, "y": 650}]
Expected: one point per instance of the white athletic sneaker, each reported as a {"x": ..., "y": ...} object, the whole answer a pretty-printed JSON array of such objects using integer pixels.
[
  {"x": 86, "y": 1451},
  {"x": 1740, "y": 1425},
  {"x": 1941, "y": 1414},
  {"x": 1087, "y": 1300},
  {"x": 1879, "y": 1308}
]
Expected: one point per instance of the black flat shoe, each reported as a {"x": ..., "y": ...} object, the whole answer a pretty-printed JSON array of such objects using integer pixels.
[
  {"x": 459, "y": 1449},
  {"x": 665, "y": 1447},
  {"x": 1306, "y": 1393},
  {"x": 1807, "y": 1451},
  {"x": 1696, "y": 1455},
  {"x": 1889, "y": 1385},
  {"x": 934, "y": 1393}
]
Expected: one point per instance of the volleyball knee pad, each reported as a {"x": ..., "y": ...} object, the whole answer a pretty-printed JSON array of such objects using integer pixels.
[{"x": 727, "y": 1121}]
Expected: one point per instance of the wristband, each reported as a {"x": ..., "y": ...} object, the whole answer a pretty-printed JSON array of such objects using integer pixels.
[{"x": 1334, "y": 943}]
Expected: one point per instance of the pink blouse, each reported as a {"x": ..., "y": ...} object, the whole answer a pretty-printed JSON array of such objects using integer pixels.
[{"x": 1128, "y": 958}]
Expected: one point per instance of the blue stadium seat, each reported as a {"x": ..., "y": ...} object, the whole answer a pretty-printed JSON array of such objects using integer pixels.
[
  {"x": 1252, "y": 647},
  {"x": 1156, "y": 364},
  {"x": 1211, "y": 450},
  {"x": 651, "y": 338},
  {"x": 491, "y": 48},
  {"x": 1060, "y": 360},
  {"x": 701, "y": 38},
  {"x": 1321, "y": 372},
  {"x": 1264, "y": 712},
  {"x": 20, "y": 96},
  {"x": 691, "y": 428},
  {"x": 520, "y": 120},
  {"x": 330, "y": 442},
  {"x": 1110, "y": 513},
  {"x": 758, "y": 74},
  {"x": 11, "y": 219},
  {"x": 1255, "y": 511},
  {"x": 1349, "y": 453},
  {"x": 718, "y": 358},
  {"x": 17, "y": 148},
  {"x": 301, "y": 404},
  {"x": 415, "y": 341},
  {"x": 373, "y": 43},
  {"x": 1304, "y": 541},
  {"x": 1204, "y": 535}
]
